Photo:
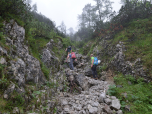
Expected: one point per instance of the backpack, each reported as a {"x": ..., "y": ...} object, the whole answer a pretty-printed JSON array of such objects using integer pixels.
[
  {"x": 69, "y": 49},
  {"x": 73, "y": 55},
  {"x": 95, "y": 61}
]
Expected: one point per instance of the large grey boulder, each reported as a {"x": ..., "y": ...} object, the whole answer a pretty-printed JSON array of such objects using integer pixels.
[
  {"x": 88, "y": 71},
  {"x": 18, "y": 68},
  {"x": 33, "y": 70},
  {"x": 82, "y": 81},
  {"x": 47, "y": 57}
]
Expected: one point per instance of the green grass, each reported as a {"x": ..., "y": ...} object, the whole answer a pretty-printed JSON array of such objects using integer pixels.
[
  {"x": 139, "y": 95},
  {"x": 2, "y": 104},
  {"x": 137, "y": 38},
  {"x": 16, "y": 19},
  {"x": 15, "y": 100},
  {"x": 45, "y": 70},
  {"x": 3, "y": 42}
]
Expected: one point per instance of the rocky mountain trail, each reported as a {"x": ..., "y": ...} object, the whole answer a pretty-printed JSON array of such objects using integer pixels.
[
  {"x": 92, "y": 99},
  {"x": 52, "y": 95}
]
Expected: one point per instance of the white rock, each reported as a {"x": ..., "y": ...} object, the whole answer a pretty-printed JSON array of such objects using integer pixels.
[
  {"x": 93, "y": 110},
  {"x": 116, "y": 104},
  {"x": 5, "y": 96},
  {"x": 16, "y": 110},
  {"x": 119, "y": 112},
  {"x": 66, "y": 108},
  {"x": 2, "y": 61},
  {"x": 64, "y": 102}
]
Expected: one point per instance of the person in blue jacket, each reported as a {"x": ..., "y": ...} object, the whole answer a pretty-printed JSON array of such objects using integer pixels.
[{"x": 68, "y": 50}]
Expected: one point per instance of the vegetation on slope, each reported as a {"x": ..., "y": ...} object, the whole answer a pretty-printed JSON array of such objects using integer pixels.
[
  {"x": 135, "y": 94},
  {"x": 138, "y": 41}
]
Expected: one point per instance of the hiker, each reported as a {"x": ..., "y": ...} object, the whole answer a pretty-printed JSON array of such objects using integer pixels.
[
  {"x": 71, "y": 58},
  {"x": 68, "y": 49},
  {"x": 70, "y": 61},
  {"x": 93, "y": 67}
]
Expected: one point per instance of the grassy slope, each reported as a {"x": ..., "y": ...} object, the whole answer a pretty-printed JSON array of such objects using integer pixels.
[
  {"x": 138, "y": 41},
  {"x": 139, "y": 95}
]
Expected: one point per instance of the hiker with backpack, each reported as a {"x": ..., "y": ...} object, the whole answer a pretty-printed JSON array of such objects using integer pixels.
[
  {"x": 68, "y": 49},
  {"x": 94, "y": 63},
  {"x": 70, "y": 58}
]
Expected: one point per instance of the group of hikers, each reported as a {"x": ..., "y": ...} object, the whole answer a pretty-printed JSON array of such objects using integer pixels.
[{"x": 71, "y": 57}]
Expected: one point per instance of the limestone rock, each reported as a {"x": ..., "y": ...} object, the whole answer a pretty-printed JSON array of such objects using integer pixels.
[
  {"x": 107, "y": 109},
  {"x": 2, "y": 61},
  {"x": 9, "y": 90},
  {"x": 115, "y": 104},
  {"x": 119, "y": 112},
  {"x": 83, "y": 82},
  {"x": 16, "y": 110},
  {"x": 107, "y": 101},
  {"x": 88, "y": 71}
]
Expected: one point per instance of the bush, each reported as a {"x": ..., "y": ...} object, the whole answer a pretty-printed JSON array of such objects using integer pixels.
[
  {"x": 15, "y": 7},
  {"x": 130, "y": 78},
  {"x": 112, "y": 90},
  {"x": 45, "y": 70},
  {"x": 66, "y": 42},
  {"x": 103, "y": 67},
  {"x": 16, "y": 101}
]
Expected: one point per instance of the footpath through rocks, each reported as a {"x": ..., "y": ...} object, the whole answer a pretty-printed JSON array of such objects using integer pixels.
[{"x": 92, "y": 99}]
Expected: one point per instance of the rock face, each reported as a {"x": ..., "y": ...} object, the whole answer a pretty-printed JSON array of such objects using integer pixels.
[
  {"x": 23, "y": 67},
  {"x": 126, "y": 67},
  {"x": 48, "y": 57},
  {"x": 117, "y": 62}
]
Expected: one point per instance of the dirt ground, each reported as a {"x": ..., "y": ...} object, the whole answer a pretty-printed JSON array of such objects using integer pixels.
[{"x": 109, "y": 77}]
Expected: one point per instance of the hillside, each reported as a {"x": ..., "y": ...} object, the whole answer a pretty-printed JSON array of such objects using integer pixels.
[
  {"x": 127, "y": 57},
  {"x": 27, "y": 64},
  {"x": 35, "y": 77}
]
